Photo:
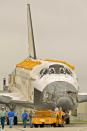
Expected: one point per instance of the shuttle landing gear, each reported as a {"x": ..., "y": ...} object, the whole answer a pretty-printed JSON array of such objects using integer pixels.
[{"x": 67, "y": 120}]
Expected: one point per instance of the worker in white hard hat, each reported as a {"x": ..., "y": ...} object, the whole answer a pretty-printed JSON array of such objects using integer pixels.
[
  {"x": 56, "y": 109},
  {"x": 3, "y": 107}
]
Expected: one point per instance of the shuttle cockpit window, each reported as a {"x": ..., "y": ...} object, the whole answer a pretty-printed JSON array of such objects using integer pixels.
[
  {"x": 68, "y": 72},
  {"x": 59, "y": 69},
  {"x": 55, "y": 69},
  {"x": 51, "y": 71},
  {"x": 62, "y": 70},
  {"x": 43, "y": 72}
]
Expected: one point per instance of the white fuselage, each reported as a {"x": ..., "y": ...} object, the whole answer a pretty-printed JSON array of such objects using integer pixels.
[{"x": 56, "y": 81}]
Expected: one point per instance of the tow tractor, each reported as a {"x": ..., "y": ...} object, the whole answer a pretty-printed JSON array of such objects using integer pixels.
[{"x": 42, "y": 118}]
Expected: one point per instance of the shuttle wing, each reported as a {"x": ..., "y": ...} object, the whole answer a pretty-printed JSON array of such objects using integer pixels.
[
  {"x": 82, "y": 97},
  {"x": 12, "y": 98}
]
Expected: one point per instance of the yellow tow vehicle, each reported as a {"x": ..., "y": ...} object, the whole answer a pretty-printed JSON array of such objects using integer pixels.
[
  {"x": 47, "y": 117},
  {"x": 43, "y": 117}
]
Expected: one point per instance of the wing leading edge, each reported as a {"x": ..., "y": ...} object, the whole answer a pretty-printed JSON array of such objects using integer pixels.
[
  {"x": 82, "y": 97},
  {"x": 12, "y": 98}
]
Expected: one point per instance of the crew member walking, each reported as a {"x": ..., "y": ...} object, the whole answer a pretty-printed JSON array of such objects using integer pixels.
[
  {"x": 15, "y": 118},
  {"x": 3, "y": 115},
  {"x": 30, "y": 118},
  {"x": 24, "y": 118},
  {"x": 11, "y": 118}
]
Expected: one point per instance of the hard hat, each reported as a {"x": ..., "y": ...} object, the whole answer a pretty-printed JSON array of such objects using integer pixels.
[
  {"x": 3, "y": 107},
  {"x": 56, "y": 109}
]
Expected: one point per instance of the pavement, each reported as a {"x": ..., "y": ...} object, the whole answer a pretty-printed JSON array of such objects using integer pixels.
[
  {"x": 71, "y": 127},
  {"x": 46, "y": 129}
]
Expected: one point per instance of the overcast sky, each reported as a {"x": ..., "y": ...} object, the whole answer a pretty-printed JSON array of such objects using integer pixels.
[{"x": 60, "y": 31}]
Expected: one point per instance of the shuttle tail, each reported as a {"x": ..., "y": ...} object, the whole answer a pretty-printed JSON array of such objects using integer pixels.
[{"x": 32, "y": 52}]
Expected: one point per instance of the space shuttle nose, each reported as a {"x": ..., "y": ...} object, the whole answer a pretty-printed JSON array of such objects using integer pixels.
[{"x": 61, "y": 93}]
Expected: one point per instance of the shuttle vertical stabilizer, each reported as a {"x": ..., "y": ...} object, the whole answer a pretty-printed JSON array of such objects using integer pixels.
[{"x": 32, "y": 52}]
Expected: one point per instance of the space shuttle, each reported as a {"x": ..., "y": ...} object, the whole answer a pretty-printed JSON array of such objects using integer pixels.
[{"x": 38, "y": 83}]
